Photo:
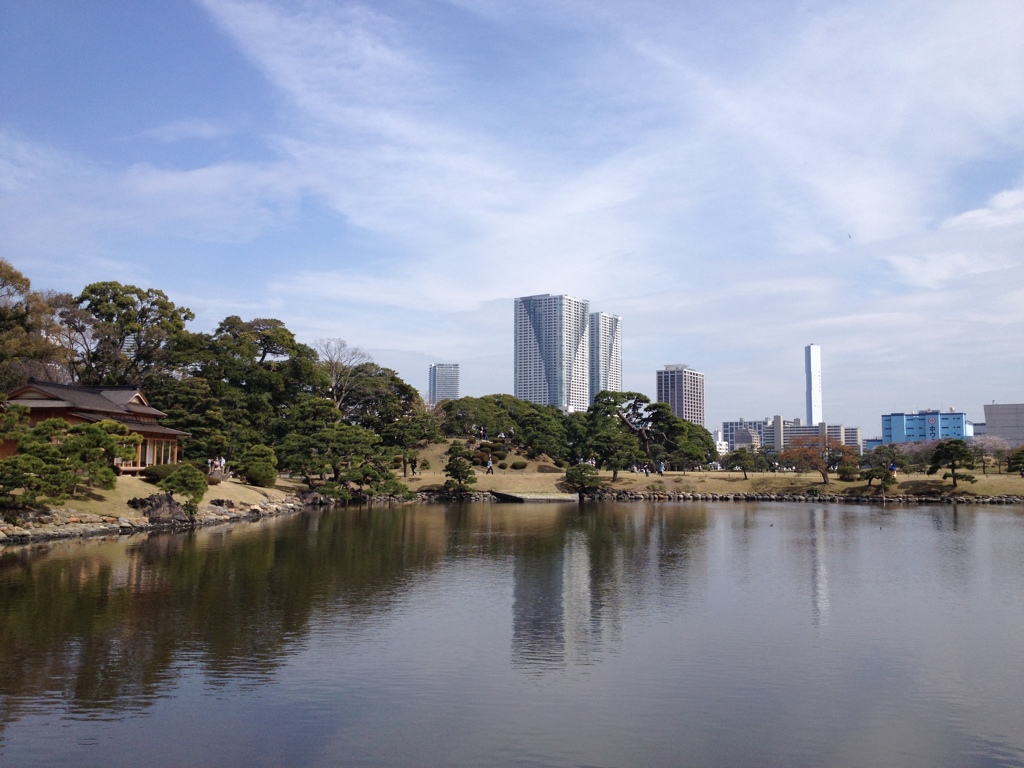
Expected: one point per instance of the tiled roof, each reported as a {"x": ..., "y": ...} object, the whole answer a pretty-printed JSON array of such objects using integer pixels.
[{"x": 112, "y": 400}]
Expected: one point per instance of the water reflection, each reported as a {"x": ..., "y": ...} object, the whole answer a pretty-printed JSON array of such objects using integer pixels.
[{"x": 732, "y": 634}]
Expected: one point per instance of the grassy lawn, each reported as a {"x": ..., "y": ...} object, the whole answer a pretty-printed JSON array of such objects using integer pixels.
[{"x": 531, "y": 480}]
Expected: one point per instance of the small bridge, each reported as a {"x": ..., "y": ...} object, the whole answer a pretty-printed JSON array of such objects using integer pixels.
[{"x": 522, "y": 498}]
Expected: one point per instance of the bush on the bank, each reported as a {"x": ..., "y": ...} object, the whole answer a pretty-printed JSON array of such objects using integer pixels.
[
  {"x": 547, "y": 469},
  {"x": 425, "y": 464},
  {"x": 502, "y": 465},
  {"x": 500, "y": 455},
  {"x": 261, "y": 475},
  {"x": 518, "y": 465},
  {"x": 559, "y": 463},
  {"x": 154, "y": 473},
  {"x": 481, "y": 455},
  {"x": 186, "y": 481}
]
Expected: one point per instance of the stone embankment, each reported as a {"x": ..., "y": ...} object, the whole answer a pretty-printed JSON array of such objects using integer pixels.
[
  {"x": 50, "y": 525},
  {"x": 612, "y": 495}
]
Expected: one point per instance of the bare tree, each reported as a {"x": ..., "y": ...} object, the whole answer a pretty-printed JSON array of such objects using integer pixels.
[
  {"x": 995, "y": 446},
  {"x": 341, "y": 363}
]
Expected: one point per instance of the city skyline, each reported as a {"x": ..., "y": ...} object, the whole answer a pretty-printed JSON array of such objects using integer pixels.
[{"x": 395, "y": 174}]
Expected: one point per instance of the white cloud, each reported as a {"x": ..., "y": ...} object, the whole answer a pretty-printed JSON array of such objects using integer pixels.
[{"x": 191, "y": 128}]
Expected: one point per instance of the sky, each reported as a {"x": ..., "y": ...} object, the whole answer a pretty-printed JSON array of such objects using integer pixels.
[{"x": 735, "y": 179}]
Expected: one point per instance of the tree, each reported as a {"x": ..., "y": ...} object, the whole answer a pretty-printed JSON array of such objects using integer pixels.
[
  {"x": 1015, "y": 461},
  {"x": 189, "y": 482},
  {"x": 740, "y": 458},
  {"x": 27, "y": 481},
  {"x": 818, "y": 454},
  {"x": 459, "y": 469},
  {"x": 118, "y": 334},
  {"x": 883, "y": 475},
  {"x": 953, "y": 455},
  {"x": 582, "y": 478},
  {"x": 984, "y": 446},
  {"x": 26, "y": 328},
  {"x": 410, "y": 432},
  {"x": 341, "y": 364},
  {"x": 258, "y": 465},
  {"x": 92, "y": 450}
]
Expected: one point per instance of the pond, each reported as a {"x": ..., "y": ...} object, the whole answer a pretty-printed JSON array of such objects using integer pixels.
[{"x": 637, "y": 634}]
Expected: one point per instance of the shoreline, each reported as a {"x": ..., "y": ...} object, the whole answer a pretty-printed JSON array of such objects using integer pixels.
[{"x": 66, "y": 524}]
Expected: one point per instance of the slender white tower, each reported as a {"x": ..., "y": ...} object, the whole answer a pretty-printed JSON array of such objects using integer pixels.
[{"x": 812, "y": 367}]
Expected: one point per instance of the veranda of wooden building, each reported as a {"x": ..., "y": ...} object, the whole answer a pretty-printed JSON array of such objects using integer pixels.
[{"x": 80, "y": 405}]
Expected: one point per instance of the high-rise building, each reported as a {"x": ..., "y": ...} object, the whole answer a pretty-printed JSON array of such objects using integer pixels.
[
  {"x": 444, "y": 383},
  {"x": 812, "y": 367},
  {"x": 605, "y": 353},
  {"x": 683, "y": 389},
  {"x": 552, "y": 351}
]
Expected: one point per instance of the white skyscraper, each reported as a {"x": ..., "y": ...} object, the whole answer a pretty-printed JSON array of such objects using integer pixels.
[
  {"x": 552, "y": 351},
  {"x": 605, "y": 353},
  {"x": 683, "y": 389},
  {"x": 444, "y": 383},
  {"x": 812, "y": 367}
]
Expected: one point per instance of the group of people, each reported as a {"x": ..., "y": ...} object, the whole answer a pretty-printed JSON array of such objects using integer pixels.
[
  {"x": 216, "y": 465},
  {"x": 647, "y": 469}
]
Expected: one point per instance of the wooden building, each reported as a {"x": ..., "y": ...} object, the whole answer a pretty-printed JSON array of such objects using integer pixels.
[{"x": 79, "y": 405}]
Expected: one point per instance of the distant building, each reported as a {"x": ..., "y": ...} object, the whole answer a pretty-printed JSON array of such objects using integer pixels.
[
  {"x": 1005, "y": 420},
  {"x": 683, "y": 389},
  {"x": 552, "y": 351},
  {"x": 443, "y": 383},
  {"x": 605, "y": 353},
  {"x": 812, "y": 369},
  {"x": 779, "y": 433},
  {"x": 925, "y": 425}
]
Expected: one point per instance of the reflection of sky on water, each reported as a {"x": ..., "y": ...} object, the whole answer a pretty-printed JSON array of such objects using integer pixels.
[{"x": 665, "y": 634}]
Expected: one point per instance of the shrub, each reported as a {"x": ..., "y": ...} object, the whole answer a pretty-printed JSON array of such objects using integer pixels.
[
  {"x": 261, "y": 474},
  {"x": 502, "y": 465},
  {"x": 482, "y": 455},
  {"x": 186, "y": 481},
  {"x": 848, "y": 473},
  {"x": 425, "y": 464},
  {"x": 518, "y": 465},
  {"x": 477, "y": 462},
  {"x": 500, "y": 455},
  {"x": 549, "y": 470},
  {"x": 154, "y": 473},
  {"x": 559, "y": 463}
]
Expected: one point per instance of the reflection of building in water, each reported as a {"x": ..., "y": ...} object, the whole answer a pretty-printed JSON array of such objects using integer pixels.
[
  {"x": 537, "y": 629},
  {"x": 559, "y": 611},
  {"x": 577, "y": 606},
  {"x": 571, "y": 591},
  {"x": 819, "y": 571}
]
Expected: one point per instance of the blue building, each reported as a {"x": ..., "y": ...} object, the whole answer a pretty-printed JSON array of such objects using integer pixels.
[{"x": 925, "y": 425}]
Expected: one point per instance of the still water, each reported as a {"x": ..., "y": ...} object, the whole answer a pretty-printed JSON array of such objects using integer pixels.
[{"x": 534, "y": 635}]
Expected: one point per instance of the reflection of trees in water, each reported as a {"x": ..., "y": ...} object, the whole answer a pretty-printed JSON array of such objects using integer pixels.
[
  {"x": 106, "y": 628},
  {"x": 102, "y": 634}
]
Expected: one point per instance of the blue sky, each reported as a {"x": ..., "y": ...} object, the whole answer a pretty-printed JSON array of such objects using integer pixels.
[{"x": 735, "y": 179}]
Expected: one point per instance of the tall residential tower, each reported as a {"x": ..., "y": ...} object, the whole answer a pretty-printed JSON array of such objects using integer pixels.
[
  {"x": 812, "y": 366},
  {"x": 444, "y": 383},
  {"x": 683, "y": 389},
  {"x": 552, "y": 351},
  {"x": 605, "y": 353}
]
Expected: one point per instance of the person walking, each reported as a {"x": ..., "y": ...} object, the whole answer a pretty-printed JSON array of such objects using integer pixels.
[
  {"x": 412, "y": 464},
  {"x": 490, "y": 466}
]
